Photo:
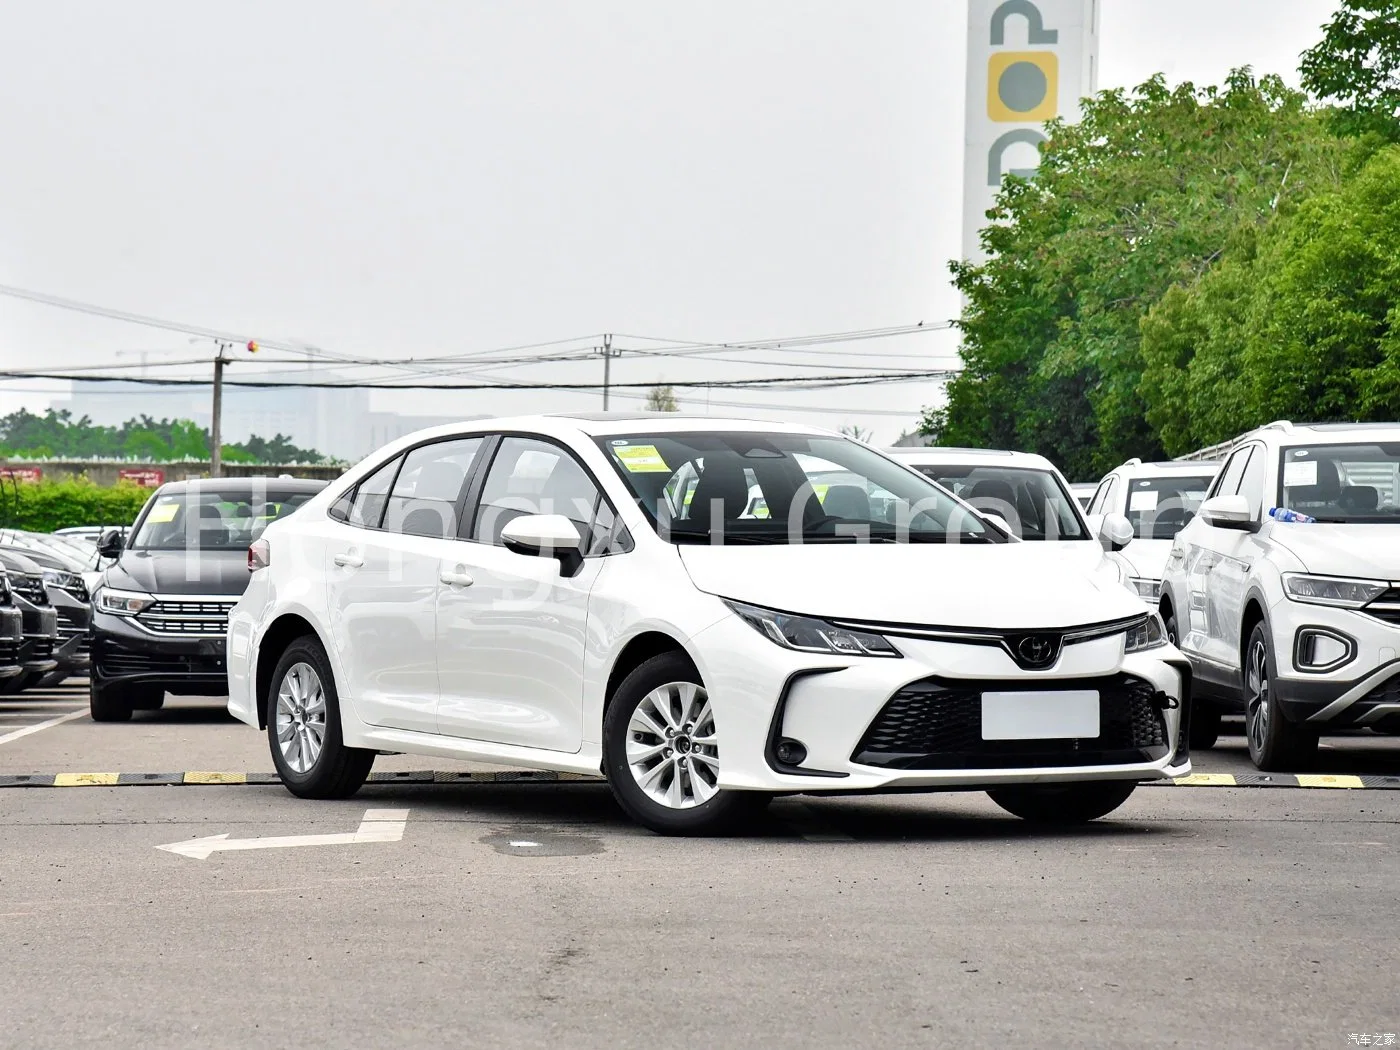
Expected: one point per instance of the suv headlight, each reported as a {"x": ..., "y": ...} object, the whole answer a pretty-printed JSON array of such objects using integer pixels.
[
  {"x": 1148, "y": 590},
  {"x": 122, "y": 603},
  {"x": 1150, "y": 634},
  {"x": 809, "y": 635},
  {"x": 1336, "y": 591}
]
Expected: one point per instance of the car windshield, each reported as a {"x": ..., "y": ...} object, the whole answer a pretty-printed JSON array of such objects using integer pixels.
[
  {"x": 1032, "y": 502},
  {"x": 1160, "y": 507},
  {"x": 204, "y": 517},
  {"x": 739, "y": 487},
  {"x": 1342, "y": 483}
]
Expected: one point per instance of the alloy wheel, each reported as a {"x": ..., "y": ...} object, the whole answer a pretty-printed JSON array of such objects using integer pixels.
[
  {"x": 1257, "y": 711},
  {"x": 301, "y": 717},
  {"x": 672, "y": 749}
]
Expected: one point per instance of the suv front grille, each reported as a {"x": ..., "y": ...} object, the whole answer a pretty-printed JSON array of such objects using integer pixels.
[
  {"x": 187, "y": 618},
  {"x": 1386, "y": 607},
  {"x": 936, "y": 723}
]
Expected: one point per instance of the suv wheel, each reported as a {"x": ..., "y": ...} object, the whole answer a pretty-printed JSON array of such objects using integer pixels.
[
  {"x": 1205, "y": 716},
  {"x": 109, "y": 703},
  {"x": 303, "y": 727},
  {"x": 1275, "y": 744},
  {"x": 661, "y": 752},
  {"x": 1075, "y": 803}
]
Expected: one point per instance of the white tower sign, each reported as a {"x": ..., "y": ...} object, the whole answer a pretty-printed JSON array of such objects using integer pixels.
[{"x": 1028, "y": 61}]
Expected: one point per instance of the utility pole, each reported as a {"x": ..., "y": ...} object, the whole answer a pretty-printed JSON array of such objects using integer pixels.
[
  {"x": 608, "y": 354},
  {"x": 216, "y": 421}
]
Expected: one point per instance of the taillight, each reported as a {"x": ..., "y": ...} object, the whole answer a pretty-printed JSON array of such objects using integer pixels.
[{"x": 259, "y": 555}]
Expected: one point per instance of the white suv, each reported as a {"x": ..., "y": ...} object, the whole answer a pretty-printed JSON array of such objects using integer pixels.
[
  {"x": 1297, "y": 622},
  {"x": 1031, "y": 496},
  {"x": 1158, "y": 499},
  {"x": 596, "y": 594}
]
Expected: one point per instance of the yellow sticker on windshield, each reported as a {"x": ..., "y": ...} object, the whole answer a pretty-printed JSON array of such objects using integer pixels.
[
  {"x": 163, "y": 512},
  {"x": 642, "y": 459}
]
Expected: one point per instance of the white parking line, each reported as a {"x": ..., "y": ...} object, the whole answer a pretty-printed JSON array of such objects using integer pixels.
[{"x": 16, "y": 734}]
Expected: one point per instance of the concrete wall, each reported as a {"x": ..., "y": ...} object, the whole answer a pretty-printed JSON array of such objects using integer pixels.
[{"x": 106, "y": 472}]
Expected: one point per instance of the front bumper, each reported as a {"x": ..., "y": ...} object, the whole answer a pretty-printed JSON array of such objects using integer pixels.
[
  {"x": 1362, "y": 691},
  {"x": 11, "y": 639},
  {"x": 855, "y": 716},
  {"x": 122, "y": 652}
]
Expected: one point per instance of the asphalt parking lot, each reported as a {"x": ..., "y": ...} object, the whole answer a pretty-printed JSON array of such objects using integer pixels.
[{"x": 472, "y": 911}]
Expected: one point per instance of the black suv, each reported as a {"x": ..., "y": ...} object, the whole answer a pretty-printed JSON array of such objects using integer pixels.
[
  {"x": 38, "y": 619},
  {"x": 72, "y": 605},
  {"x": 11, "y": 632},
  {"x": 160, "y": 610}
]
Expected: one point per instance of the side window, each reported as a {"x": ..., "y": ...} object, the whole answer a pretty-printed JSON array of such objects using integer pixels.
[
  {"x": 1112, "y": 489},
  {"x": 424, "y": 499},
  {"x": 1096, "y": 501},
  {"x": 367, "y": 507},
  {"x": 1228, "y": 483},
  {"x": 528, "y": 476},
  {"x": 1252, "y": 484}
]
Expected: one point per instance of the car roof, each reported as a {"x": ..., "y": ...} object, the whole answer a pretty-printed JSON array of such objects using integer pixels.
[
  {"x": 1199, "y": 467},
  {"x": 249, "y": 485},
  {"x": 945, "y": 456},
  {"x": 597, "y": 424}
]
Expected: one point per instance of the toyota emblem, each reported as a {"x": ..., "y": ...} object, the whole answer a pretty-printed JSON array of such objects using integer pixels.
[{"x": 1036, "y": 650}]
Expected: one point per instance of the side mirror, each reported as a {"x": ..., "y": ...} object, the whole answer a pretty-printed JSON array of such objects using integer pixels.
[
  {"x": 110, "y": 544},
  {"x": 1227, "y": 512},
  {"x": 545, "y": 536},
  {"x": 1115, "y": 532}
]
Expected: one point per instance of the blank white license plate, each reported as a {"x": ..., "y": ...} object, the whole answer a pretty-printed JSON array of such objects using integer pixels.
[{"x": 1042, "y": 715}]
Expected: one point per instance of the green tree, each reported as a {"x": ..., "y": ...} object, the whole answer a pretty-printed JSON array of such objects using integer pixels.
[
  {"x": 662, "y": 399},
  {"x": 1356, "y": 66},
  {"x": 1146, "y": 192}
]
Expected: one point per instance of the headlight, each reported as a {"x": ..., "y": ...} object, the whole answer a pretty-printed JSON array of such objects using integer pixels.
[
  {"x": 1150, "y": 634},
  {"x": 4, "y": 589},
  {"x": 122, "y": 603},
  {"x": 1147, "y": 590},
  {"x": 66, "y": 580},
  {"x": 810, "y": 635},
  {"x": 1332, "y": 590}
]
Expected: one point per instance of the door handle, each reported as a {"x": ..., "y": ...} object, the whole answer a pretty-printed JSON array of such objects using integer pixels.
[
  {"x": 349, "y": 559},
  {"x": 457, "y": 579}
]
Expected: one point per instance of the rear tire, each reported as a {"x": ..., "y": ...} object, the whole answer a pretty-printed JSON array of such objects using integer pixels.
[
  {"x": 1276, "y": 745},
  {"x": 1205, "y": 716},
  {"x": 661, "y": 752},
  {"x": 1076, "y": 803},
  {"x": 303, "y": 727},
  {"x": 109, "y": 703}
]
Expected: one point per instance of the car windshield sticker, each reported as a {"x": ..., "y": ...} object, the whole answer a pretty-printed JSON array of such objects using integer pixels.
[
  {"x": 642, "y": 459},
  {"x": 1143, "y": 499},
  {"x": 1298, "y": 474},
  {"x": 163, "y": 512}
]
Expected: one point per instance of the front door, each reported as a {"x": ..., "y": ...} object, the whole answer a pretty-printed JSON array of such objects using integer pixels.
[{"x": 512, "y": 628}]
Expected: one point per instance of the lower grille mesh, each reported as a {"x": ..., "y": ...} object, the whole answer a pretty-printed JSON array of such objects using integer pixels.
[{"x": 936, "y": 723}]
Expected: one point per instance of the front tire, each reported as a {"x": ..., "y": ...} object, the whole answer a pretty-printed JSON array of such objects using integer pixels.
[
  {"x": 1076, "y": 803},
  {"x": 109, "y": 703},
  {"x": 661, "y": 752},
  {"x": 1276, "y": 745},
  {"x": 303, "y": 727}
]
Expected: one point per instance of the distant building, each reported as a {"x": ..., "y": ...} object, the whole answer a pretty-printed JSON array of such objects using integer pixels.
[{"x": 337, "y": 422}]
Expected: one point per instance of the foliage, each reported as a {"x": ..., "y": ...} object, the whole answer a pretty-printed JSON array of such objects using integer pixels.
[
  {"x": 662, "y": 399},
  {"x": 1356, "y": 66},
  {"x": 44, "y": 506},
  {"x": 1145, "y": 193},
  {"x": 59, "y": 435},
  {"x": 855, "y": 432},
  {"x": 1305, "y": 326}
]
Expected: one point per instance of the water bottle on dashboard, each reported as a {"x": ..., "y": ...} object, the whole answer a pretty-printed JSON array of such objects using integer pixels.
[{"x": 1284, "y": 514}]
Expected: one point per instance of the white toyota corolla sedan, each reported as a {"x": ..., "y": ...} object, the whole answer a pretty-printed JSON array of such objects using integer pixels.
[{"x": 708, "y": 612}]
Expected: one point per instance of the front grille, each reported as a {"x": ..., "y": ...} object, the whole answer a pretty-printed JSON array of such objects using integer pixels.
[
  {"x": 9, "y": 652},
  {"x": 117, "y": 660},
  {"x": 69, "y": 623},
  {"x": 41, "y": 649},
  {"x": 187, "y": 618},
  {"x": 1386, "y": 607},
  {"x": 30, "y": 587},
  {"x": 936, "y": 723}
]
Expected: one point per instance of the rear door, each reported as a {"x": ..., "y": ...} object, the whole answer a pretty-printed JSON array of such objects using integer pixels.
[
  {"x": 1216, "y": 564},
  {"x": 512, "y": 628}
]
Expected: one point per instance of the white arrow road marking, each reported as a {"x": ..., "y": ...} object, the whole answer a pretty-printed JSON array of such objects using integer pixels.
[{"x": 379, "y": 825}]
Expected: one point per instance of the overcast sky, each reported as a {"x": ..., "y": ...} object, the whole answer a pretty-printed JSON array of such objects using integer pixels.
[{"x": 428, "y": 178}]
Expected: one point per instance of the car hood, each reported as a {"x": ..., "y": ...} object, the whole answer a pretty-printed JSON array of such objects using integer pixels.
[
  {"x": 180, "y": 572},
  {"x": 1016, "y": 586},
  {"x": 1372, "y": 551},
  {"x": 1147, "y": 558}
]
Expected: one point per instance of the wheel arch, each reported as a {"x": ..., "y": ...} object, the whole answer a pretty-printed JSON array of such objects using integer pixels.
[
  {"x": 281, "y": 633},
  {"x": 1252, "y": 613},
  {"x": 636, "y": 651}
]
